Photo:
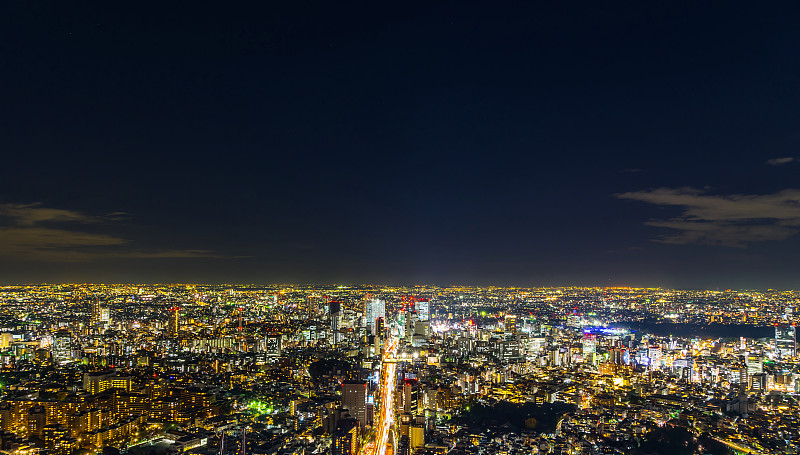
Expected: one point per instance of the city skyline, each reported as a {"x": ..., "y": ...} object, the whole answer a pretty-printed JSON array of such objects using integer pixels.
[
  {"x": 513, "y": 144},
  {"x": 373, "y": 370},
  {"x": 414, "y": 228}
]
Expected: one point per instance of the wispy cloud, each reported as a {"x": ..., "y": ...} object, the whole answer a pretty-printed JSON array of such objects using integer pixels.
[
  {"x": 779, "y": 161},
  {"x": 729, "y": 220},
  {"x": 38, "y": 233}
]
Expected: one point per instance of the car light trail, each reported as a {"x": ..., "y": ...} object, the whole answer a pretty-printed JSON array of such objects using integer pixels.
[{"x": 386, "y": 417}]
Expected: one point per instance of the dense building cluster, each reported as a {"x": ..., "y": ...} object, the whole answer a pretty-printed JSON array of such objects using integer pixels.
[{"x": 255, "y": 370}]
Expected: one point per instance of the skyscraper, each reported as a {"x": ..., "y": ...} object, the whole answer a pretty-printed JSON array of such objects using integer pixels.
[
  {"x": 785, "y": 340},
  {"x": 346, "y": 439},
  {"x": 272, "y": 345},
  {"x": 174, "y": 322},
  {"x": 374, "y": 308},
  {"x": 335, "y": 315},
  {"x": 511, "y": 324},
  {"x": 754, "y": 363},
  {"x": 354, "y": 399},
  {"x": 411, "y": 322},
  {"x": 62, "y": 346},
  {"x": 95, "y": 309},
  {"x": 100, "y": 315},
  {"x": 423, "y": 307},
  {"x": 416, "y": 435}
]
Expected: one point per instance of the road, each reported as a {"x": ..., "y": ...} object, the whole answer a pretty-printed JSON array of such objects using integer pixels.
[{"x": 387, "y": 387}]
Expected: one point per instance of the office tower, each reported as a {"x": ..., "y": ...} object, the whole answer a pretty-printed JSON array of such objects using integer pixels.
[
  {"x": 62, "y": 346},
  {"x": 105, "y": 315},
  {"x": 416, "y": 435},
  {"x": 411, "y": 322},
  {"x": 100, "y": 315},
  {"x": 422, "y": 328},
  {"x": 354, "y": 399},
  {"x": 511, "y": 324},
  {"x": 744, "y": 379},
  {"x": 758, "y": 381},
  {"x": 755, "y": 364},
  {"x": 272, "y": 345},
  {"x": 404, "y": 446},
  {"x": 410, "y": 398},
  {"x": 95, "y": 310},
  {"x": 785, "y": 339},
  {"x": 335, "y": 316},
  {"x": 5, "y": 339},
  {"x": 374, "y": 308},
  {"x": 346, "y": 438},
  {"x": 589, "y": 342},
  {"x": 174, "y": 321},
  {"x": 423, "y": 307}
]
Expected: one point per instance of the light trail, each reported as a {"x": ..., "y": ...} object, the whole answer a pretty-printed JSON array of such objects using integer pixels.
[
  {"x": 386, "y": 416},
  {"x": 735, "y": 446}
]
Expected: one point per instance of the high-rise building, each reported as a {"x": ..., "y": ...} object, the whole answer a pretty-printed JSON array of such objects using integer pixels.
[
  {"x": 743, "y": 378},
  {"x": 62, "y": 346},
  {"x": 411, "y": 322},
  {"x": 374, "y": 308},
  {"x": 354, "y": 399},
  {"x": 785, "y": 340},
  {"x": 404, "y": 446},
  {"x": 511, "y": 324},
  {"x": 410, "y": 398},
  {"x": 272, "y": 345},
  {"x": 100, "y": 315},
  {"x": 346, "y": 439},
  {"x": 416, "y": 435},
  {"x": 174, "y": 321},
  {"x": 758, "y": 381},
  {"x": 95, "y": 309},
  {"x": 423, "y": 307},
  {"x": 754, "y": 363},
  {"x": 335, "y": 315}
]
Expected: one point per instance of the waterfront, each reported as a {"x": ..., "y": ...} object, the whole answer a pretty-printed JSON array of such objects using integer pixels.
[{"x": 688, "y": 330}]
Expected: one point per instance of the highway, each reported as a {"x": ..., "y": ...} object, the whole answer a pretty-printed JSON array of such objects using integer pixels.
[{"x": 387, "y": 387}]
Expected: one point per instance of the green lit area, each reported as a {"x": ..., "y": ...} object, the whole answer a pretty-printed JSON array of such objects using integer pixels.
[{"x": 260, "y": 407}]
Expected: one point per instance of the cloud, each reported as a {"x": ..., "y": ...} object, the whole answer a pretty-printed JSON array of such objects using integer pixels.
[
  {"x": 31, "y": 214},
  {"x": 34, "y": 232},
  {"x": 779, "y": 161},
  {"x": 727, "y": 220},
  {"x": 47, "y": 244},
  {"x": 177, "y": 254}
]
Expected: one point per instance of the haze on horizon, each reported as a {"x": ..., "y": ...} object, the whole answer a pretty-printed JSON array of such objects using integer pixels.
[{"x": 472, "y": 143}]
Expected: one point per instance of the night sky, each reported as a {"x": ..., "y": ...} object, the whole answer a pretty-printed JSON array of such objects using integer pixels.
[{"x": 507, "y": 143}]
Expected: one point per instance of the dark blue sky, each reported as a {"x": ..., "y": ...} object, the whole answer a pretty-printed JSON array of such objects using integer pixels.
[{"x": 589, "y": 143}]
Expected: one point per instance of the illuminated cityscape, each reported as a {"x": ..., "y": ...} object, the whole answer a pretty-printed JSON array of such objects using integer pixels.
[
  {"x": 399, "y": 228},
  {"x": 249, "y": 369}
]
